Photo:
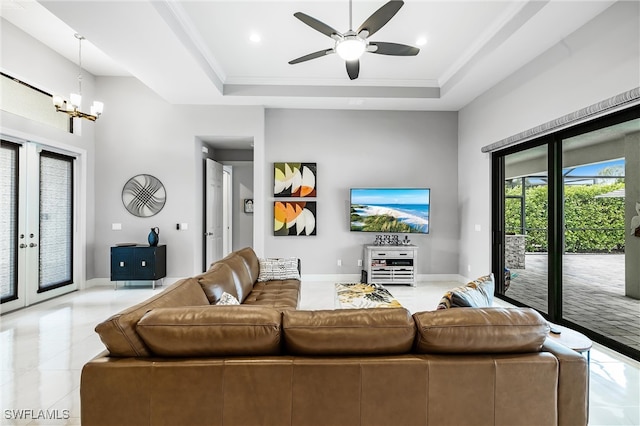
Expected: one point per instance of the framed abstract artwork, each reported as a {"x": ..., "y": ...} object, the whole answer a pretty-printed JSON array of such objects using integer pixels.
[
  {"x": 143, "y": 195},
  {"x": 296, "y": 218},
  {"x": 294, "y": 179}
]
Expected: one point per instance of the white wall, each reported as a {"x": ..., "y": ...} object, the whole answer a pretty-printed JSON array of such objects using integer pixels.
[
  {"x": 141, "y": 133},
  {"x": 598, "y": 61},
  {"x": 365, "y": 149},
  {"x": 27, "y": 59}
]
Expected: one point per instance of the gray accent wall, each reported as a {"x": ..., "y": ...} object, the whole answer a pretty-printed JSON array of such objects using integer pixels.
[
  {"x": 596, "y": 62},
  {"x": 365, "y": 149}
]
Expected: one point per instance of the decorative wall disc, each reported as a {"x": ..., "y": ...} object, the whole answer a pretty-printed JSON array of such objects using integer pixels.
[{"x": 143, "y": 196}]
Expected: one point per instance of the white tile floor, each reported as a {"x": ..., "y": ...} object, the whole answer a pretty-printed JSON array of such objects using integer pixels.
[{"x": 43, "y": 348}]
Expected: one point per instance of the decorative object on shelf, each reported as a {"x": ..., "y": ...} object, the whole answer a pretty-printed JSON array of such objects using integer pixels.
[
  {"x": 406, "y": 241},
  {"x": 635, "y": 222},
  {"x": 154, "y": 237},
  {"x": 248, "y": 205},
  {"x": 73, "y": 105},
  {"x": 143, "y": 195},
  {"x": 294, "y": 179},
  {"x": 294, "y": 218},
  {"x": 388, "y": 240}
]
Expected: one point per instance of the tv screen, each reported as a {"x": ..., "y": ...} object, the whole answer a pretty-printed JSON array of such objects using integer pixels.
[{"x": 404, "y": 210}]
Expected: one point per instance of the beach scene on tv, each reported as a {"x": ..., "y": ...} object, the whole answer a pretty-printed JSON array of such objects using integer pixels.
[{"x": 390, "y": 210}]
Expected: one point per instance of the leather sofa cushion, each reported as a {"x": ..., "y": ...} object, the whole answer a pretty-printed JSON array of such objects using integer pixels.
[
  {"x": 241, "y": 274},
  {"x": 276, "y": 294},
  {"x": 118, "y": 333},
  {"x": 480, "y": 330},
  {"x": 377, "y": 331},
  {"x": 217, "y": 280},
  {"x": 211, "y": 331},
  {"x": 251, "y": 262}
]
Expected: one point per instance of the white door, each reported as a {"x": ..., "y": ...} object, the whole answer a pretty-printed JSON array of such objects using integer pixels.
[
  {"x": 227, "y": 205},
  {"x": 213, "y": 212},
  {"x": 37, "y": 224}
]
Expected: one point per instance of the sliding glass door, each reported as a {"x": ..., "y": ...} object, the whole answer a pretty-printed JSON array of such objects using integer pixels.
[
  {"x": 563, "y": 224},
  {"x": 525, "y": 223},
  {"x": 37, "y": 219}
]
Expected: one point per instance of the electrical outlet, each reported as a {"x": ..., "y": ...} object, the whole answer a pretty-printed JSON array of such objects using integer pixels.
[
  {"x": 359, "y": 262},
  {"x": 468, "y": 268},
  {"x": 116, "y": 227},
  {"x": 339, "y": 262}
]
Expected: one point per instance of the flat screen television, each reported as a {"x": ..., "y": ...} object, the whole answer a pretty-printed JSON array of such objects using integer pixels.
[{"x": 392, "y": 210}]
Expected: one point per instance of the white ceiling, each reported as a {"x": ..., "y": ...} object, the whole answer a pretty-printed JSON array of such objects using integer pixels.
[{"x": 199, "y": 52}]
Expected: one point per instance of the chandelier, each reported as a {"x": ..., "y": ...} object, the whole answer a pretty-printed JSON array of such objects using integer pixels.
[{"x": 72, "y": 106}]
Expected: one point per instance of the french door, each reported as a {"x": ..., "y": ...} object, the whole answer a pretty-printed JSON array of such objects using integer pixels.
[{"x": 37, "y": 194}]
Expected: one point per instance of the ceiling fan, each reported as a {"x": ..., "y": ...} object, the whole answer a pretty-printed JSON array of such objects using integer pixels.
[{"x": 352, "y": 44}]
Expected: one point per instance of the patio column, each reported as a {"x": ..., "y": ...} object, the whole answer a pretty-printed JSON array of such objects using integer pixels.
[{"x": 632, "y": 195}]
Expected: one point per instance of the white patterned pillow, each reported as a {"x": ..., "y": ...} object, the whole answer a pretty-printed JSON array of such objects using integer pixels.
[
  {"x": 227, "y": 299},
  {"x": 279, "y": 269}
]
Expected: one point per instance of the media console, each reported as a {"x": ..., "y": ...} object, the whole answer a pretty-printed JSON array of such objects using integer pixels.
[{"x": 391, "y": 264}]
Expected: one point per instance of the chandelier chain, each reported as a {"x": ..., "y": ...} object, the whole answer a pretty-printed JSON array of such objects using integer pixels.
[{"x": 80, "y": 38}]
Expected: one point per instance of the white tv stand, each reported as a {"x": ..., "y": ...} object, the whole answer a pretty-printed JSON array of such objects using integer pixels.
[{"x": 391, "y": 264}]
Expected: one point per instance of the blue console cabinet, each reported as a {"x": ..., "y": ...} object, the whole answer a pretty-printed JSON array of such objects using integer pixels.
[{"x": 138, "y": 262}]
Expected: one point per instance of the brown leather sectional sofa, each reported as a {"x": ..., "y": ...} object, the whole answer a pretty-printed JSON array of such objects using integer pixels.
[{"x": 177, "y": 360}]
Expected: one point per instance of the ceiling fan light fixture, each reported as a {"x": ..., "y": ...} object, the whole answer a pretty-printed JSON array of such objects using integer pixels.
[{"x": 351, "y": 47}]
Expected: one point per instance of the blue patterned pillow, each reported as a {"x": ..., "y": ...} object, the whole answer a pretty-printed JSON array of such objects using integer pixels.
[{"x": 476, "y": 294}]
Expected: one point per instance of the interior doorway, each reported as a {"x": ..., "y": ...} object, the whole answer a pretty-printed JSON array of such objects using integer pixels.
[{"x": 235, "y": 157}]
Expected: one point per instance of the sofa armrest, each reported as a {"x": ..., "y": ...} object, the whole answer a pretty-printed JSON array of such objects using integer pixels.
[{"x": 573, "y": 384}]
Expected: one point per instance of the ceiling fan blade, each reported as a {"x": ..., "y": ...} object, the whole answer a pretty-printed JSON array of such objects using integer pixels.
[
  {"x": 353, "y": 68},
  {"x": 380, "y": 17},
  {"x": 395, "y": 49},
  {"x": 314, "y": 55},
  {"x": 316, "y": 25}
]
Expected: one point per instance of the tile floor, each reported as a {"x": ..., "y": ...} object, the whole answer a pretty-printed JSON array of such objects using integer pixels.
[{"x": 43, "y": 348}]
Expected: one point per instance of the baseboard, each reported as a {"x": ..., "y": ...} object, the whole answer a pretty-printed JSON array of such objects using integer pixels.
[
  {"x": 101, "y": 282},
  {"x": 97, "y": 282},
  {"x": 356, "y": 277},
  {"x": 330, "y": 277}
]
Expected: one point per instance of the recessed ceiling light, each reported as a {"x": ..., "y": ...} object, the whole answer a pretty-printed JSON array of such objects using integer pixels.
[
  {"x": 421, "y": 41},
  {"x": 255, "y": 38}
]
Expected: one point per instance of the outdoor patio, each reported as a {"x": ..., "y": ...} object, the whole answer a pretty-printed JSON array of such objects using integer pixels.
[{"x": 593, "y": 293}]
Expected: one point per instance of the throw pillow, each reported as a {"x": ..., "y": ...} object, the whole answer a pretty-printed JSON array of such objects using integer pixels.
[
  {"x": 278, "y": 269},
  {"x": 227, "y": 299},
  {"x": 476, "y": 294}
]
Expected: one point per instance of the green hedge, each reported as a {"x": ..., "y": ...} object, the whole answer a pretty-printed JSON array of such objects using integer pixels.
[{"x": 593, "y": 225}]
